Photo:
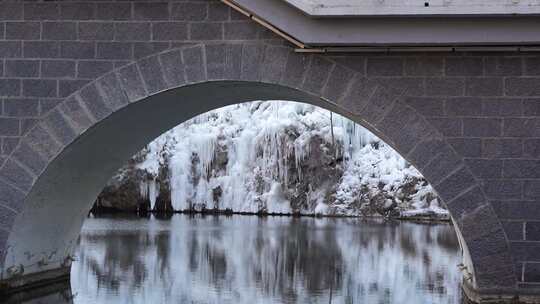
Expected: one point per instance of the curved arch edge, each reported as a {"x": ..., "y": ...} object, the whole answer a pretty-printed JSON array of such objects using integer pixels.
[{"x": 310, "y": 78}]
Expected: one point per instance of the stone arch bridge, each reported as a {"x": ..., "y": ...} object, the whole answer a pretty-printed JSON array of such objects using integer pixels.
[{"x": 84, "y": 85}]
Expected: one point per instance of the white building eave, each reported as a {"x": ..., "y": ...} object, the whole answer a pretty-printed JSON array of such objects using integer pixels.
[
  {"x": 401, "y": 8},
  {"x": 385, "y": 31}
]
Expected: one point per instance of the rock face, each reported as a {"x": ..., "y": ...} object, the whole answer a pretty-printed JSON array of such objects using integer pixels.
[
  {"x": 122, "y": 192},
  {"x": 270, "y": 158},
  {"x": 135, "y": 189}
]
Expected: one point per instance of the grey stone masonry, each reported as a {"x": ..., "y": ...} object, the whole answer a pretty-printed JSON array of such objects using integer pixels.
[{"x": 470, "y": 122}]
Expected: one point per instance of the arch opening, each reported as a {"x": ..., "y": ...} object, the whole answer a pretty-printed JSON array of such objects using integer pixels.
[{"x": 270, "y": 158}]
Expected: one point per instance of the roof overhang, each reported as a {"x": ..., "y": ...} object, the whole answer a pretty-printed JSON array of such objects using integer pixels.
[
  {"x": 400, "y": 8},
  {"x": 385, "y": 31}
]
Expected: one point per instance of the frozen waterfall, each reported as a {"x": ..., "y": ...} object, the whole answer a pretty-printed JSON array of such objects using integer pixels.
[{"x": 276, "y": 157}]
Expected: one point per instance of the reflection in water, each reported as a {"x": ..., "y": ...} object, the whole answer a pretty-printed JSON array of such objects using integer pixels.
[
  {"x": 247, "y": 259},
  {"x": 57, "y": 293}
]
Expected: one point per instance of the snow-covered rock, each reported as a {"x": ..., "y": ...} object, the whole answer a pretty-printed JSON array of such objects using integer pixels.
[{"x": 272, "y": 157}]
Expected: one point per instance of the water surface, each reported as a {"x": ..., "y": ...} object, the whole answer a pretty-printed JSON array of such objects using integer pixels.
[{"x": 268, "y": 260}]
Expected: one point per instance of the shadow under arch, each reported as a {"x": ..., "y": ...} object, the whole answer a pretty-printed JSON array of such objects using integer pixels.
[{"x": 51, "y": 180}]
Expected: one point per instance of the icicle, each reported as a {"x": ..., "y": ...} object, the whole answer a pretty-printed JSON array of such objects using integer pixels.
[
  {"x": 205, "y": 149},
  {"x": 153, "y": 192},
  {"x": 301, "y": 151},
  {"x": 149, "y": 189},
  {"x": 181, "y": 186},
  {"x": 143, "y": 189}
]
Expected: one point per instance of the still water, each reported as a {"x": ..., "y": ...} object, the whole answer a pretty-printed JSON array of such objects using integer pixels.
[{"x": 269, "y": 260}]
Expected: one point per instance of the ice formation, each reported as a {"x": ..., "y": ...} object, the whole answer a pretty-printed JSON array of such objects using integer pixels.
[
  {"x": 281, "y": 157},
  {"x": 149, "y": 189}
]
